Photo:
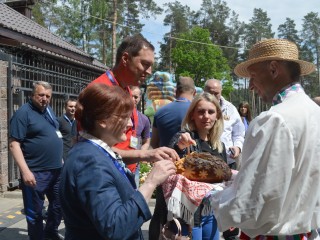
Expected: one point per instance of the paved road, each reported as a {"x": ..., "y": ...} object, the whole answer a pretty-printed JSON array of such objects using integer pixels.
[{"x": 13, "y": 225}]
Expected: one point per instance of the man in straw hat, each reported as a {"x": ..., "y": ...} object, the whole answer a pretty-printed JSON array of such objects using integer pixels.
[{"x": 277, "y": 191}]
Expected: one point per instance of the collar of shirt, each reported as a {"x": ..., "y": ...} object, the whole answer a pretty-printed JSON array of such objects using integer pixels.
[
  {"x": 106, "y": 147},
  {"x": 285, "y": 92},
  {"x": 35, "y": 108},
  {"x": 98, "y": 142},
  {"x": 182, "y": 99}
]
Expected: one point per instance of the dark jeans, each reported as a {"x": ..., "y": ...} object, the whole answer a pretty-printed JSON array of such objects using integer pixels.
[
  {"x": 159, "y": 216},
  {"x": 233, "y": 165},
  {"x": 33, "y": 199}
]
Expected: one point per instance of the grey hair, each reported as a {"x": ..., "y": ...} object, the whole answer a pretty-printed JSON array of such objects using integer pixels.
[{"x": 44, "y": 84}]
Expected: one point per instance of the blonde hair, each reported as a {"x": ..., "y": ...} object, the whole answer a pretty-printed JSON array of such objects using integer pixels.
[{"x": 216, "y": 131}]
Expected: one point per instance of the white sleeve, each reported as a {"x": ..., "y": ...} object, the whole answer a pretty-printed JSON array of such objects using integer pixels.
[
  {"x": 238, "y": 130},
  {"x": 254, "y": 200}
]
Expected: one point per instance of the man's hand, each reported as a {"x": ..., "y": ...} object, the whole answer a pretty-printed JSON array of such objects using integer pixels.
[
  {"x": 29, "y": 179},
  {"x": 27, "y": 176},
  {"x": 236, "y": 152},
  {"x": 162, "y": 153}
]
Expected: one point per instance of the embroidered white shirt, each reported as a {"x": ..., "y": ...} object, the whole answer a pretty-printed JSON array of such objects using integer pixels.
[{"x": 277, "y": 190}]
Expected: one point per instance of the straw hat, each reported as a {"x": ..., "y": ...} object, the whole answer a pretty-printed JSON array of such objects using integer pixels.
[{"x": 273, "y": 49}]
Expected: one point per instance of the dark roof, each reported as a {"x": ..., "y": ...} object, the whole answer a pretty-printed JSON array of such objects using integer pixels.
[{"x": 26, "y": 32}]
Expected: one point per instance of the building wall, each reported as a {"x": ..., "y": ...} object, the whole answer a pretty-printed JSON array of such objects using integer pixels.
[{"x": 3, "y": 127}]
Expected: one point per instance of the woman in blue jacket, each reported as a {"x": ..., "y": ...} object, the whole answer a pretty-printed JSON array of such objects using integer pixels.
[{"x": 99, "y": 198}]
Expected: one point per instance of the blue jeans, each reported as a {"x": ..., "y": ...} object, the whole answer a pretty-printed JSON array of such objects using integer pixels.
[
  {"x": 33, "y": 200},
  {"x": 208, "y": 229}
]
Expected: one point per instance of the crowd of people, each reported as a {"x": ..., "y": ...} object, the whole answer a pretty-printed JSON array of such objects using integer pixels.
[{"x": 90, "y": 172}]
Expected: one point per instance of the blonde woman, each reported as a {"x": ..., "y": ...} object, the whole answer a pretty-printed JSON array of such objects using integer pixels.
[{"x": 201, "y": 131}]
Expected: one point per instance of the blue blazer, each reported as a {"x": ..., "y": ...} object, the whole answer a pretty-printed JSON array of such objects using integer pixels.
[{"x": 98, "y": 202}]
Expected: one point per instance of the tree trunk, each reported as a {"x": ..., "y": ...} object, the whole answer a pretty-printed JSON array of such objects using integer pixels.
[{"x": 114, "y": 31}]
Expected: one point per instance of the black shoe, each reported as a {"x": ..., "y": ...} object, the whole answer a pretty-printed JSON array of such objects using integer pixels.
[{"x": 54, "y": 237}]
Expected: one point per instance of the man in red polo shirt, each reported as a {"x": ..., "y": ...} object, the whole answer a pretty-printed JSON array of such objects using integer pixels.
[{"x": 134, "y": 60}]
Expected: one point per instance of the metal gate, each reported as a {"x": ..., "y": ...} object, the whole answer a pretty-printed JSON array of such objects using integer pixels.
[{"x": 66, "y": 80}]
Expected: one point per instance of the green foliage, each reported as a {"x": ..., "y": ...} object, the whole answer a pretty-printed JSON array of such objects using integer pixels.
[
  {"x": 149, "y": 111},
  {"x": 224, "y": 27},
  {"x": 288, "y": 31},
  {"x": 145, "y": 168},
  {"x": 44, "y": 13},
  {"x": 200, "y": 61},
  {"x": 214, "y": 15},
  {"x": 88, "y": 23},
  {"x": 258, "y": 28},
  {"x": 311, "y": 51},
  {"x": 227, "y": 88},
  {"x": 179, "y": 18}
]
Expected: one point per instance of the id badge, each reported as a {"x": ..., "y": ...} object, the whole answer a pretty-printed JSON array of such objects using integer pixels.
[
  {"x": 59, "y": 134},
  {"x": 134, "y": 142}
]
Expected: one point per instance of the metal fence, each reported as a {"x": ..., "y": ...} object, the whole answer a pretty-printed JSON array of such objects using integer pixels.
[{"x": 23, "y": 69}]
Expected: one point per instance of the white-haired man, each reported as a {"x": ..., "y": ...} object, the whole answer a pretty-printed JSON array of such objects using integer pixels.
[{"x": 234, "y": 130}]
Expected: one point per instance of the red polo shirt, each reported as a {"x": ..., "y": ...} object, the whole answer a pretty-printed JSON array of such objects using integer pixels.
[{"x": 109, "y": 79}]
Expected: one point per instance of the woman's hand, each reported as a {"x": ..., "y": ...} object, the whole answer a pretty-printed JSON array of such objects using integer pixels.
[
  {"x": 161, "y": 170},
  {"x": 185, "y": 140}
]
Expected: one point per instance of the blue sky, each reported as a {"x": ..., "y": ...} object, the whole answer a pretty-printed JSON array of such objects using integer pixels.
[{"x": 277, "y": 10}]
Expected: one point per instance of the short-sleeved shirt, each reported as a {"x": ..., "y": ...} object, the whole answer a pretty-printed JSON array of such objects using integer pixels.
[
  {"x": 109, "y": 79},
  {"x": 168, "y": 120},
  {"x": 143, "y": 129},
  {"x": 69, "y": 131},
  {"x": 36, "y": 131}
]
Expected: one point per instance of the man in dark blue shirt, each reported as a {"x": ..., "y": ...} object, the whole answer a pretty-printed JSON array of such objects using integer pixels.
[
  {"x": 68, "y": 126},
  {"x": 36, "y": 146}
]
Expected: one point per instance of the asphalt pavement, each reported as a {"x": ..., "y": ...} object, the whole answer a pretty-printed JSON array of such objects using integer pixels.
[{"x": 13, "y": 225}]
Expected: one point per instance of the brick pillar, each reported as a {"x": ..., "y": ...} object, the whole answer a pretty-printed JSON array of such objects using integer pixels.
[{"x": 3, "y": 127}]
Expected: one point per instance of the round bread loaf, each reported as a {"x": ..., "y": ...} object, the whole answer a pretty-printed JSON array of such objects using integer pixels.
[{"x": 203, "y": 167}]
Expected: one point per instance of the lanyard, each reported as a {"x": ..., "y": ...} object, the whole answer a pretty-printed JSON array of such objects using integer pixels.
[
  {"x": 69, "y": 121},
  {"x": 115, "y": 161},
  {"x": 111, "y": 78},
  {"x": 134, "y": 118},
  {"x": 47, "y": 115}
]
